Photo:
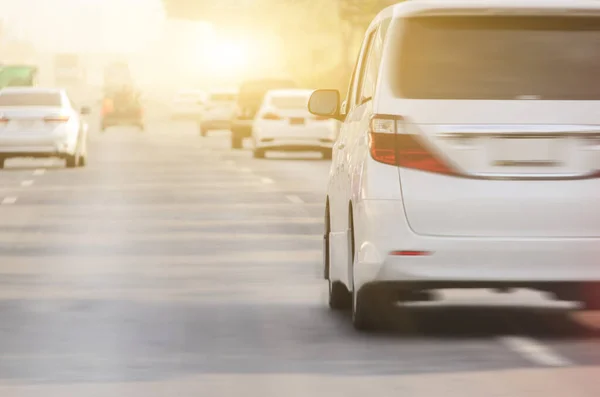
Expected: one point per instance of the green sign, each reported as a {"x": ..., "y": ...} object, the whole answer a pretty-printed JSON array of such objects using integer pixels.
[{"x": 17, "y": 75}]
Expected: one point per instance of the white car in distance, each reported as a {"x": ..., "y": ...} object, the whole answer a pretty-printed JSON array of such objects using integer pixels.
[
  {"x": 283, "y": 123},
  {"x": 468, "y": 157},
  {"x": 39, "y": 122},
  {"x": 218, "y": 111}
]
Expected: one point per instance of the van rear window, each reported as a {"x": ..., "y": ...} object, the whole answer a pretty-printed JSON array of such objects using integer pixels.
[{"x": 497, "y": 57}]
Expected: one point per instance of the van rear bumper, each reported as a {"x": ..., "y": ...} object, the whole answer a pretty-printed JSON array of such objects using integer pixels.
[{"x": 381, "y": 231}]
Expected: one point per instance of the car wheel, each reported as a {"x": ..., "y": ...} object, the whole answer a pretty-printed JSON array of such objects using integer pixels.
[
  {"x": 339, "y": 296},
  {"x": 72, "y": 160},
  {"x": 236, "y": 142},
  {"x": 327, "y": 154},
  {"x": 367, "y": 302},
  {"x": 82, "y": 161},
  {"x": 368, "y": 305},
  {"x": 2, "y": 161},
  {"x": 258, "y": 153}
]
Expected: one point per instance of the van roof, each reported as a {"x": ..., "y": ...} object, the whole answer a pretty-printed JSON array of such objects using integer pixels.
[{"x": 423, "y": 7}]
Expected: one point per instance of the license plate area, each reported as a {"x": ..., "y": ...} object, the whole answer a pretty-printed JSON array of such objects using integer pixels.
[
  {"x": 297, "y": 121},
  {"x": 526, "y": 152}
]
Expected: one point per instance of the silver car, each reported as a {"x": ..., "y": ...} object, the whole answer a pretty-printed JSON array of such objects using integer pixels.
[{"x": 41, "y": 122}]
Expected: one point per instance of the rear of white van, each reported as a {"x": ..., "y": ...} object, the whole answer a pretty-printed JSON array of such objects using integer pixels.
[{"x": 496, "y": 138}]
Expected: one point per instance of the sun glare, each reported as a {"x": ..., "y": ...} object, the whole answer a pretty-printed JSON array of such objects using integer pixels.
[{"x": 228, "y": 57}]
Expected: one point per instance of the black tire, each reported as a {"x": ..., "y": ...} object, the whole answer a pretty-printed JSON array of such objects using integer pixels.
[
  {"x": 82, "y": 161},
  {"x": 368, "y": 302},
  {"x": 2, "y": 163},
  {"x": 72, "y": 161},
  {"x": 236, "y": 142},
  {"x": 327, "y": 154},
  {"x": 339, "y": 296},
  {"x": 258, "y": 153},
  {"x": 368, "y": 305}
]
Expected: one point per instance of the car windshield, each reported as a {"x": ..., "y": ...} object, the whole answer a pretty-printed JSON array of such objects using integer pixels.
[
  {"x": 290, "y": 102},
  {"x": 43, "y": 99},
  {"x": 498, "y": 58}
]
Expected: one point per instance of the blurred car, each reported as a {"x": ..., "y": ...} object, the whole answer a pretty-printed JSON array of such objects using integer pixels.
[
  {"x": 250, "y": 97},
  {"x": 217, "y": 111},
  {"x": 486, "y": 178},
  {"x": 188, "y": 105},
  {"x": 39, "y": 122},
  {"x": 283, "y": 122},
  {"x": 122, "y": 108}
]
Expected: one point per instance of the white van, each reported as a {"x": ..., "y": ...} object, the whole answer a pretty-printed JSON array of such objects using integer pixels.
[{"x": 469, "y": 155}]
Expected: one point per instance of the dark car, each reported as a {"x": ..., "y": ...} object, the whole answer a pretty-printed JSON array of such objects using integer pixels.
[
  {"x": 122, "y": 107},
  {"x": 250, "y": 97}
]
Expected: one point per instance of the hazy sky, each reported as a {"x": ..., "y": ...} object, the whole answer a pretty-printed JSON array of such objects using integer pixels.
[{"x": 85, "y": 25}]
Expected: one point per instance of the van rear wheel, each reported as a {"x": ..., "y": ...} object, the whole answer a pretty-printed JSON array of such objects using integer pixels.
[
  {"x": 236, "y": 142},
  {"x": 72, "y": 161}
]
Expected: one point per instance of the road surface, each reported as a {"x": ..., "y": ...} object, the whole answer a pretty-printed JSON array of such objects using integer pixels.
[{"x": 173, "y": 266}]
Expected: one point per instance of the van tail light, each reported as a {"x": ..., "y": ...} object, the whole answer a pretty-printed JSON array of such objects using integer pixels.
[
  {"x": 56, "y": 119},
  {"x": 4, "y": 120},
  {"x": 271, "y": 116},
  {"x": 390, "y": 144}
]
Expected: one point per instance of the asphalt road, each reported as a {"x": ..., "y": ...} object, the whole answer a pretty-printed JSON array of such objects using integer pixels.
[{"x": 173, "y": 266}]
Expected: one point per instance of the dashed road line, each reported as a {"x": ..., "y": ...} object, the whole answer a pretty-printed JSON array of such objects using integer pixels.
[
  {"x": 267, "y": 181},
  {"x": 39, "y": 171},
  {"x": 294, "y": 199},
  {"x": 9, "y": 200},
  {"x": 534, "y": 351},
  {"x": 28, "y": 182}
]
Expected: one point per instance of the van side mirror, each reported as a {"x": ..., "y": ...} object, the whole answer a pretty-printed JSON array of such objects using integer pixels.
[{"x": 325, "y": 103}]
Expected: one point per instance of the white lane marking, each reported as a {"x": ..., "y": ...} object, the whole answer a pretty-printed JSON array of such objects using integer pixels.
[
  {"x": 267, "y": 181},
  {"x": 534, "y": 351},
  {"x": 294, "y": 199},
  {"x": 39, "y": 171},
  {"x": 28, "y": 182},
  {"x": 245, "y": 170},
  {"x": 9, "y": 200}
]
